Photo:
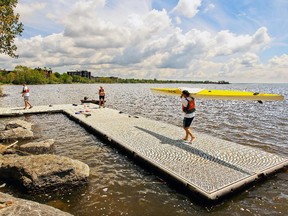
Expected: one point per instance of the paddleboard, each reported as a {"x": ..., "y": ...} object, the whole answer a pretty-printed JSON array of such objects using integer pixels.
[{"x": 220, "y": 94}]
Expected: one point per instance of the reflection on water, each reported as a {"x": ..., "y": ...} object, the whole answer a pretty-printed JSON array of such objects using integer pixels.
[{"x": 117, "y": 186}]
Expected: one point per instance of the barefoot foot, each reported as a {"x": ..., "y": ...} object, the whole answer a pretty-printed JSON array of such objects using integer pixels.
[{"x": 192, "y": 139}]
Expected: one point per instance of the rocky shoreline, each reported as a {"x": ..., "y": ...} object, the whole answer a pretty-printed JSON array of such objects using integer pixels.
[{"x": 34, "y": 168}]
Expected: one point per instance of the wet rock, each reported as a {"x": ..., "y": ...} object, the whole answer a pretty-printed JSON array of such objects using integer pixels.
[
  {"x": 17, "y": 124},
  {"x": 16, "y": 133},
  {"x": 10, "y": 205},
  {"x": 2, "y": 126},
  {"x": 8, "y": 149},
  {"x": 2, "y": 148},
  {"x": 38, "y": 173},
  {"x": 41, "y": 147}
]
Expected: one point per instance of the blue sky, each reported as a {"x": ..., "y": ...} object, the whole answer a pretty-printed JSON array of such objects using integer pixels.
[{"x": 237, "y": 41}]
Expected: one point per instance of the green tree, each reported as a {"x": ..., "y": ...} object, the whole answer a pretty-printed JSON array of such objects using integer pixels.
[
  {"x": 53, "y": 79},
  {"x": 10, "y": 27},
  {"x": 65, "y": 78},
  {"x": 58, "y": 75}
]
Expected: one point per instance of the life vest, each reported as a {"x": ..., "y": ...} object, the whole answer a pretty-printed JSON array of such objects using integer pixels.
[
  {"x": 190, "y": 107},
  {"x": 101, "y": 92},
  {"x": 26, "y": 90}
]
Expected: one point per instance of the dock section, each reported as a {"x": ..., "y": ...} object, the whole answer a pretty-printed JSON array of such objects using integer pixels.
[{"x": 209, "y": 166}]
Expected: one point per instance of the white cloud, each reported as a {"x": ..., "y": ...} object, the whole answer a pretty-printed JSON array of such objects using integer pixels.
[
  {"x": 228, "y": 43},
  {"x": 281, "y": 61},
  {"x": 136, "y": 41},
  {"x": 178, "y": 20},
  {"x": 187, "y": 8},
  {"x": 209, "y": 7},
  {"x": 29, "y": 9}
]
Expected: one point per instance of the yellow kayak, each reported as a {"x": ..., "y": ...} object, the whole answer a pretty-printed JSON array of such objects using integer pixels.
[{"x": 221, "y": 94}]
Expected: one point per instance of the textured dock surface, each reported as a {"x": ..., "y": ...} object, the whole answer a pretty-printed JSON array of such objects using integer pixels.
[{"x": 210, "y": 166}]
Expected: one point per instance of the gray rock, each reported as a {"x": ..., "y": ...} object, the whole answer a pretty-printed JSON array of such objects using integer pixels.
[
  {"x": 10, "y": 205},
  {"x": 38, "y": 173},
  {"x": 18, "y": 123},
  {"x": 16, "y": 133},
  {"x": 2, "y": 126},
  {"x": 41, "y": 147}
]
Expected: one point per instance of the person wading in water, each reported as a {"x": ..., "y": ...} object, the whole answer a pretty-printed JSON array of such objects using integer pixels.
[
  {"x": 101, "y": 97},
  {"x": 188, "y": 107}
]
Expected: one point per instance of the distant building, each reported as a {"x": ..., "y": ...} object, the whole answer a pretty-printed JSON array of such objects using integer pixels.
[{"x": 82, "y": 73}]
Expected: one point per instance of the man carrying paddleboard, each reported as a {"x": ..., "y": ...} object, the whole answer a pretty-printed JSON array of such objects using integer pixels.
[{"x": 188, "y": 107}]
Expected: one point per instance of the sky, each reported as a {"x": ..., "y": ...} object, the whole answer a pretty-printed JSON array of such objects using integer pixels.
[{"x": 237, "y": 41}]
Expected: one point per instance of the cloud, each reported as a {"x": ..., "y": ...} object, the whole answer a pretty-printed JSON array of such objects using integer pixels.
[
  {"x": 187, "y": 8},
  {"x": 130, "y": 39},
  {"x": 28, "y": 9},
  {"x": 178, "y": 20},
  {"x": 228, "y": 43},
  {"x": 281, "y": 61},
  {"x": 209, "y": 7}
]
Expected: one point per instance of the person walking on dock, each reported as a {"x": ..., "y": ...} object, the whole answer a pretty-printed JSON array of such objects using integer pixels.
[
  {"x": 101, "y": 97},
  {"x": 188, "y": 107},
  {"x": 26, "y": 94}
]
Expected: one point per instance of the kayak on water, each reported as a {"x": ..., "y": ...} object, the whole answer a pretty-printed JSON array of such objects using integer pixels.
[{"x": 221, "y": 94}]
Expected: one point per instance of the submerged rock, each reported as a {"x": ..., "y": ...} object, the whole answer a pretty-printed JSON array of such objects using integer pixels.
[
  {"x": 38, "y": 173},
  {"x": 41, "y": 147},
  {"x": 10, "y": 205}
]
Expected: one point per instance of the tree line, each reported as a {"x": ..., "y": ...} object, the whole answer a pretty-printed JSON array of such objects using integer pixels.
[{"x": 23, "y": 74}]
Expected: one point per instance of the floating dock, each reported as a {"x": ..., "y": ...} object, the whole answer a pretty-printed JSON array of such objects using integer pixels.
[{"x": 209, "y": 166}]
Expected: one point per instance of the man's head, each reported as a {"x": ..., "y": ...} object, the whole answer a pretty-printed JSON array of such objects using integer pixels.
[{"x": 185, "y": 93}]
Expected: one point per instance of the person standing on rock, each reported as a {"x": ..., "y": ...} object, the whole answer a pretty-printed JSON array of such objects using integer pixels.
[
  {"x": 101, "y": 97},
  {"x": 188, "y": 107},
  {"x": 25, "y": 94}
]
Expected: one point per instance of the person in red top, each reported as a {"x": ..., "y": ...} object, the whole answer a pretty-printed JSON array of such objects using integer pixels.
[
  {"x": 101, "y": 97},
  {"x": 188, "y": 107},
  {"x": 26, "y": 94}
]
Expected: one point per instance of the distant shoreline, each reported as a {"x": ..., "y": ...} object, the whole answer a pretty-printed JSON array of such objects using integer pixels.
[{"x": 23, "y": 74}]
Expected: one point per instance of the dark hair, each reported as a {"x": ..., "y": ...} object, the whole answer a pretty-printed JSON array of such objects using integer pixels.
[{"x": 186, "y": 93}]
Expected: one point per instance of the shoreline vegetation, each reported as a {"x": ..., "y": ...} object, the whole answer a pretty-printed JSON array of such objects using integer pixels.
[{"x": 23, "y": 74}]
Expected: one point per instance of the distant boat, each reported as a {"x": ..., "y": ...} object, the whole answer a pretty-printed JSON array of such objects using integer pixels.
[{"x": 220, "y": 94}]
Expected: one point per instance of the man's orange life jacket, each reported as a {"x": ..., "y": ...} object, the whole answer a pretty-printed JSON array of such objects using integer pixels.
[
  {"x": 27, "y": 90},
  {"x": 190, "y": 107}
]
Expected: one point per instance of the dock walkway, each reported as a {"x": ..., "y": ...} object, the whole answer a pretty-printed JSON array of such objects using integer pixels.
[{"x": 209, "y": 166}]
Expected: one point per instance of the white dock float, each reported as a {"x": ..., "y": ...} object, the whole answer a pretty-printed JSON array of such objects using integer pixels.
[{"x": 209, "y": 166}]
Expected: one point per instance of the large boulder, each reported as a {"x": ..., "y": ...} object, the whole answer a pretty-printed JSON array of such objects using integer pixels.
[
  {"x": 38, "y": 173},
  {"x": 16, "y": 133},
  {"x": 18, "y": 123},
  {"x": 41, "y": 147},
  {"x": 10, "y": 205},
  {"x": 17, "y": 129}
]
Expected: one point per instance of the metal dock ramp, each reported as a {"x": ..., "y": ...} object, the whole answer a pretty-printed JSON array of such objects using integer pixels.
[{"x": 209, "y": 166}]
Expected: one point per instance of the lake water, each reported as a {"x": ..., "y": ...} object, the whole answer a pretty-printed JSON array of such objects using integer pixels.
[{"x": 118, "y": 186}]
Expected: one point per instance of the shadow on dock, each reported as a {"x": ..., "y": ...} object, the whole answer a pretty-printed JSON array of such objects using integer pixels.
[{"x": 179, "y": 143}]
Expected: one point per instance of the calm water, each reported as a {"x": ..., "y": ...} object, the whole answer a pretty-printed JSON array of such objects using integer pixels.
[{"x": 117, "y": 186}]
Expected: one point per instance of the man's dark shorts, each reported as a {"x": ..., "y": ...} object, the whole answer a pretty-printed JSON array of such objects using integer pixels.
[
  {"x": 187, "y": 122},
  {"x": 101, "y": 97}
]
